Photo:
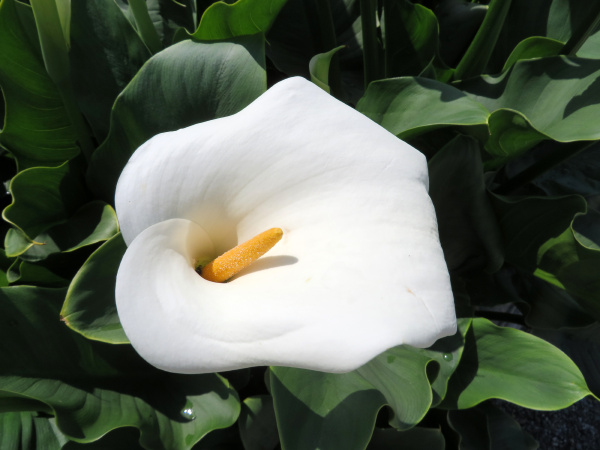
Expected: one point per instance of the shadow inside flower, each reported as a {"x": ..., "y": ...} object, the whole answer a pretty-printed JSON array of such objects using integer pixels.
[{"x": 267, "y": 262}]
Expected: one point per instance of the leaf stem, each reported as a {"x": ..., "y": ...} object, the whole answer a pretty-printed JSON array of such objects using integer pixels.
[
  {"x": 479, "y": 52},
  {"x": 368, "y": 18},
  {"x": 148, "y": 33},
  {"x": 580, "y": 35},
  {"x": 555, "y": 157},
  {"x": 329, "y": 42}
]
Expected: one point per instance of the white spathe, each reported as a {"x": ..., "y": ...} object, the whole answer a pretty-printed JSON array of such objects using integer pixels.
[{"x": 358, "y": 270}]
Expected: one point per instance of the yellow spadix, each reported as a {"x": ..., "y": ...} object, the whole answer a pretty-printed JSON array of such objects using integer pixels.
[{"x": 238, "y": 258}]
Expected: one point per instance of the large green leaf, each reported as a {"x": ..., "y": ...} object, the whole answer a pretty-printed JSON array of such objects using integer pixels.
[
  {"x": 533, "y": 47},
  {"x": 555, "y": 19},
  {"x": 583, "y": 346},
  {"x": 106, "y": 53},
  {"x": 27, "y": 431},
  {"x": 242, "y": 18},
  {"x": 486, "y": 427},
  {"x": 37, "y": 129},
  {"x": 92, "y": 223},
  {"x": 511, "y": 133},
  {"x": 93, "y": 388},
  {"x": 43, "y": 197},
  {"x": 325, "y": 411},
  {"x": 331, "y": 411},
  {"x": 187, "y": 83},
  {"x": 468, "y": 227},
  {"x": 515, "y": 366},
  {"x": 409, "y": 106},
  {"x": 560, "y": 96},
  {"x": 90, "y": 307}
]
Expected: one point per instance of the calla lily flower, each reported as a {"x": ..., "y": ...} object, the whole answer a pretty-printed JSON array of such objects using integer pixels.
[{"x": 359, "y": 268}]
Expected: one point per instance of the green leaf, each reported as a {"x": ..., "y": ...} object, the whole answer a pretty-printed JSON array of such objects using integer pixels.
[
  {"x": 53, "y": 41},
  {"x": 319, "y": 68},
  {"x": 172, "y": 17},
  {"x": 558, "y": 95},
  {"x": 325, "y": 411},
  {"x": 26, "y": 431},
  {"x": 468, "y": 227},
  {"x": 93, "y": 388},
  {"x": 106, "y": 53},
  {"x": 578, "y": 174},
  {"x": 488, "y": 427},
  {"x": 242, "y": 18},
  {"x": 24, "y": 273},
  {"x": 551, "y": 307},
  {"x": 459, "y": 21},
  {"x": 187, "y": 83},
  {"x": 43, "y": 197},
  {"x": 339, "y": 410},
  {"x": 144, "y": 25},
  {"x": 302, "y": 30},
  {"x": 574, "y": 265},
  {"x": 515, "y": 366},
  {"x": 554, "y": 19},
  {"x": 37, "y": 129},
  {"x": 417, "y": 438},
  {"x": 410, "y": 106},
  {"x": 582, "y": 344},
  {"x": 92, "y": 223},
  {"x": 533, "y": 47},
  {"x": 90, "y": 307},
  {"x": 258, "y": 428},
  {"x": 117, "y": 439},
  {"x": 410, "y": 37},
  {"x": 476, "y": 58},
  {"x": 528, "y": 223},
  {"x": 511, "y": 134},
  {"x": 5, "y": 263}
]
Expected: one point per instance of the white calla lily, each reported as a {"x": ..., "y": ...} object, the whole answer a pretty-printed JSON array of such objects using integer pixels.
[{"x": 359, "y": 268}]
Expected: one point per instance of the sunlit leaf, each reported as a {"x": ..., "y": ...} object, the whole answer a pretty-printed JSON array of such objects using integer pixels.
[
  {"x": 90, "y": 307},
  {"x": 319, "y": 68},
  {"x": 330, "y": 411},
  {"x": 512, "y": 365},
  {"x": 411, "y": 106},
  {"x": 242, "y": 18}
]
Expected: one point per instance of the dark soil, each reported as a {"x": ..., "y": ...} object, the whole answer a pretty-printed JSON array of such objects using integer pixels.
[{"x": 573, "y": 428}]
